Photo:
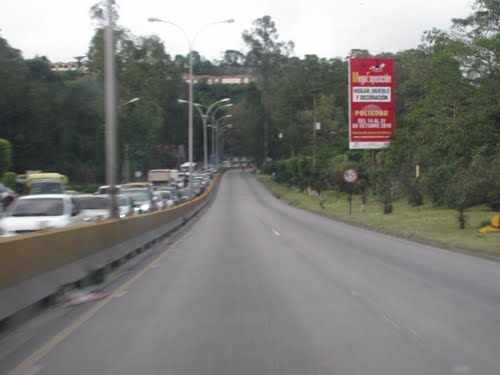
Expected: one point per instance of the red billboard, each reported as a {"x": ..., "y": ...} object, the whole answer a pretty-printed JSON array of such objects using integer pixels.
[{"x": 371, "y": 102}]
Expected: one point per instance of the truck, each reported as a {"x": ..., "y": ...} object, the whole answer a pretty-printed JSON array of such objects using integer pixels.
[
  {"x": 174, "y": 174},
  {"x": 185, "y": 168},
  {"x": 160, "y": 177}
]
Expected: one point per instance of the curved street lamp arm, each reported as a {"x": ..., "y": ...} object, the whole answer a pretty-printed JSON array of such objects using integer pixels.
[
  {"x": 215, "y": 103},
  {"x": 154, "y": 19},
  {"x": 206, "y": 25},
  {"x": 217, "y": 109}
]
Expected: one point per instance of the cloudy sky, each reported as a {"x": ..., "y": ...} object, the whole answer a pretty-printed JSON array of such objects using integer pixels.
[{"x": 62, "y": 29}]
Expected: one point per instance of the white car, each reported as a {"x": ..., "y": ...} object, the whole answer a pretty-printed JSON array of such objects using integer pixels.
[
  {"x": 203, "y": 180},
  {"x": 179, "y": 183},
  {"x": 125, "y": 205},
  {"x": 98, "y": 207},
  {"x": 164, "y": 199},
  {"x": 94, "y": 207},
  {"x": 36, "y": 212}
]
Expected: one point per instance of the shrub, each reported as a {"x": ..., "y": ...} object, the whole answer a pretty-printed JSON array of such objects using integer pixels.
[{"x": 9, "y": 180}]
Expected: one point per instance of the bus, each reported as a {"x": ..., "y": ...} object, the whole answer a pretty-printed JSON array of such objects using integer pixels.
[{"x": 43, "y": 183}]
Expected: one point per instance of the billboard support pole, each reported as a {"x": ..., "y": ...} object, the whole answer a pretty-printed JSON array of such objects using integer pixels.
[{"x": 314, "y": 130}]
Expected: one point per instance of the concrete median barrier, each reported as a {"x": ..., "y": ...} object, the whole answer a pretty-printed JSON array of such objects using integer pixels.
[{"x": 34, "y": 266}]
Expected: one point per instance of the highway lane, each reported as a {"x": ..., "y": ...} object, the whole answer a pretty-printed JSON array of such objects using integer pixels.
[{"x": 258, "y": 287}]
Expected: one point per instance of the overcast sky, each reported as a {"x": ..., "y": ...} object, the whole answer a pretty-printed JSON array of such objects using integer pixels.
[{"x": 62, "y": 29}]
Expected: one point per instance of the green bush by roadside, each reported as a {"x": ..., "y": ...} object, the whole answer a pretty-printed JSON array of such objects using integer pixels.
[{"x": 84, "y": 189}]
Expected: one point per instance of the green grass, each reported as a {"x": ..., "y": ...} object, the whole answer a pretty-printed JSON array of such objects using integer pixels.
[{"x": 434, "y": 225}]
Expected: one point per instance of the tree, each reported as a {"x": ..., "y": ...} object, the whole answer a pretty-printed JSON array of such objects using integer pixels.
[
  {"x": 5, "y": 156},
  {"x": 479, "y": 35},
  {"x": 266, "y": 56},
  {"x": 233, "y": 58},
  {"x": 463, "y": 192},
  {"x": 13, "y": 76}
]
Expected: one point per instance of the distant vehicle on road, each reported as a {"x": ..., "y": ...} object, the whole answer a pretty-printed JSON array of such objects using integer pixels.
[
  {"x": 184, "y": 168},
  {"x": 125, "y": 205},
  {"x": 174, "y": 191},
  {"x": 94, "y": 207},
  {"x": 180, "y": 183},
  {"x": 159, "y": 177},
  {"x": 44, "y": 183},
  {"x": 31, "y": 213},
  {"x": 183, "y": 195},
  {"x": 142, "y": 199},
  {"x": 163, "y": 199},
  {"x": 197, "y": 186},
  {"x": 137, "y": 185},
  {"x": 106, "y": 189}
]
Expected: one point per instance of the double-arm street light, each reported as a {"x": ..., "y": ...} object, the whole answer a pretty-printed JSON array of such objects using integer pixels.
[
  {"x": 204, "y": 117},
  {"x": 190, "y": 43},
  {"x": 216, "y": 129},
  {"x": 223, "y": 130},
  {"x": 133, "y": 100},
  {"x": 214, "y": 126}
]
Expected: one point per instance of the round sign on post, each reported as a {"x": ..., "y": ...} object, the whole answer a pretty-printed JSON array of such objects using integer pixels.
[{"x": 350, "y": 176}]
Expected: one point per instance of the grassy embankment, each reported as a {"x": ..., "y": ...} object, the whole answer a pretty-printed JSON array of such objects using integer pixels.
[{"x": 434, "y": 225}]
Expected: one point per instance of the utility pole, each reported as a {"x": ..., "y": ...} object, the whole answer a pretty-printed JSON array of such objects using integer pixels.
[
  {"x": 314, "y": 130},
  {"x": 110, "y": 92}
]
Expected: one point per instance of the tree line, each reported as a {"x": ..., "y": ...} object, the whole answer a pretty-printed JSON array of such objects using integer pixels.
[
  {"x": 447, "y": 119},
  {"x": 447, "y": 111}
]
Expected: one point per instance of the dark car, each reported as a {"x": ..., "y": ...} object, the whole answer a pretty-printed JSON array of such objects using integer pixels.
[{"x": 142, "y": 199}]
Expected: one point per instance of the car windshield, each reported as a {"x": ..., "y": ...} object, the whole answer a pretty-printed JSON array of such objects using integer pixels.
[
  {"x": 46, "y": 187},
  {"x": 37, "y": 207},
  {"x": 138, "y": 195},
  {"x": 93, "y": 203},
  {"x": 122, "y": 201}
]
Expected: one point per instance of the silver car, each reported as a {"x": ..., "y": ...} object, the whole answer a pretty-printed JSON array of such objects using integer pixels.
[{"x": 94, "y": 207}]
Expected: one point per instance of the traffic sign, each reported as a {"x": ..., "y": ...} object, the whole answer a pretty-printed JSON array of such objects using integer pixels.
[{"x": 350, "y": 175}]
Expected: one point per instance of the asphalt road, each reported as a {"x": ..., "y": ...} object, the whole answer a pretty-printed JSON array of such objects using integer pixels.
[{"x": 257, "y": 287}]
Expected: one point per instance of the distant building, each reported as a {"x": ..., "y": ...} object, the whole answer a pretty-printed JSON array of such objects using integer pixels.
[
  {"x": 240, "y": 79},
  {"x": 237, "y": 79},
  {"x": 70, "y": 66}
]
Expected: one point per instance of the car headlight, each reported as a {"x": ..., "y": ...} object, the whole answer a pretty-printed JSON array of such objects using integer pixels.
[{"x": 145, "y": 207}]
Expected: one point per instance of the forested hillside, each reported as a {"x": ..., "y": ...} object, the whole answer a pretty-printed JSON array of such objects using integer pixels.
[{"x": 447, "y": 111}]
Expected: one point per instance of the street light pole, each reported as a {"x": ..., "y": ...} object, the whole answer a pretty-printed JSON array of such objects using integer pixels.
[
  {"x": 205, "y": 121},
  {"x": 190, "y": 121},
  {"x": 204, "y": 118},
  {"x": 214, "y": 129},
  {"x": 228, "y": 126},
  {"x": 217, "y": 135},
  {"x": 126, "y": 163}
]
